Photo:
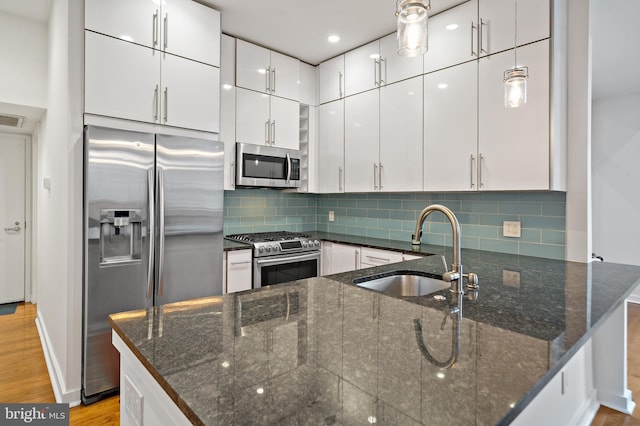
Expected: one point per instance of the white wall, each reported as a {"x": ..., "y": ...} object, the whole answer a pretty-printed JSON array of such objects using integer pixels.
[
  {"x": 616, "y": 176},
  {"x": 24, "y": 57},
  {"x": 59, "y": 216}
]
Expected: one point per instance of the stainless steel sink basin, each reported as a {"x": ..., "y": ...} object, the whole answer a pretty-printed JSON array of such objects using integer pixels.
[{"x": 403, "y": 283}]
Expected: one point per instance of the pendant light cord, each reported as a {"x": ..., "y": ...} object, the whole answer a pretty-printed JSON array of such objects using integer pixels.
[{"x": 515, "y": 35}]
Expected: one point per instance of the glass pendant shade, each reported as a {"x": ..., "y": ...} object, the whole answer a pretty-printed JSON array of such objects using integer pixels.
[
  {"x": 412, "y": 27},
  {"x": 515, "y": 87}
]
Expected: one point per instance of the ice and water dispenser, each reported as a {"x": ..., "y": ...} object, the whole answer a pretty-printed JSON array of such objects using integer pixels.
[{"x": 120, "y": 236}]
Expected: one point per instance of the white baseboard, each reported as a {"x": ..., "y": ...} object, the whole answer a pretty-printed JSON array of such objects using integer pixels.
[
  {"x": 588, "y": 411},
  {"x": 623, "y": 403},
  {"x": 63, "y": 395}
]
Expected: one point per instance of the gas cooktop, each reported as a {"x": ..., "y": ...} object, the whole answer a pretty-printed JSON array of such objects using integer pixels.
[{"x": 278, "y": 242}]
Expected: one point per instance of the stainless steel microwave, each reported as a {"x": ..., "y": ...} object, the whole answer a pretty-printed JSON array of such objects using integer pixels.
[{"x": 267, "y": 166}]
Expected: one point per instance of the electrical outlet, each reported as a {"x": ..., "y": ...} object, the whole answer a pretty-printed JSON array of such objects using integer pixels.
[
  {"x": 511, "y": 229},
  {"x": 133, "y": 401},
  {"x": 511, "y": 278},
  {"x": 332, "y": 217}
]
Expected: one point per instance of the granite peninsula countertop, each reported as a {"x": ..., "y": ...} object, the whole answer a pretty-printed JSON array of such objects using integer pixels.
[{"x": 324, "y": 351}]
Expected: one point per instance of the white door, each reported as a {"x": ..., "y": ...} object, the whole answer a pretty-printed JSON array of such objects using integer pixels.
[
  {"x": 361, "y": 69},
  {"x": 132, "y": 20},
  {"x": 401, "y": 136},
  {"x": 331, "y": 79},
  {"x": 252, "y": 63},
  {"x": 285, "y": 123},
  {"x": 12, "y": 217},
  {"x": 192, "y": 102},
  {"x": 450, "y": 128},
  {"x": 252, "y": 117},
  {"x": 285, "y": 79},
  {"x": 361, "y": 141},
  {"x": 394, "y": 66},
  {"x": 331, "y": 147}
]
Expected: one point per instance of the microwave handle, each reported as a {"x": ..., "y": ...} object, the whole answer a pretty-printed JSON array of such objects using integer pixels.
[{"x": 288, "y": 168}]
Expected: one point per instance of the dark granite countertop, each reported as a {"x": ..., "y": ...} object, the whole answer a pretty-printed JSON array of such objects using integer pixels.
[
  {"x": 228, "y": 245},
  {"x": 323, "y": 351}
]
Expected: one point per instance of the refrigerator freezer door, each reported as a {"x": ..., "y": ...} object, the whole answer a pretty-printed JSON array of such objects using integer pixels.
[
  {"x": 116, "y": 244},
  {"x": 189, "y": 180}
]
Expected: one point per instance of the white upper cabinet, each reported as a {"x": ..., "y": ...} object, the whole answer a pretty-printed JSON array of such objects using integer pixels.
[
  {"x": 361, "y": 142},
  {"x": 450, "y": 128},
  {"x": 331, "y": 79},
  {"x": 400, "y": 163},
  {"x": 187, "y": 102},
  {"x": 395, "y": 67},
  {"x": 180, "y": 27},
  {"x": 330, "y": 159},
  {"x": 228, "y": 107},
  {"x": 513, "y": 143},
  {"x": 452, "y": 37},
  {"x": 266, "y": 71},
  {"x": 496, "y": 20},
  {"x": 362, "y": 68},
  {"x": 121, "y": 79},
  {"x": 262, "y": 119},
  {"x": 136, "y": 21},
  {"x": 308, "y": 84}
]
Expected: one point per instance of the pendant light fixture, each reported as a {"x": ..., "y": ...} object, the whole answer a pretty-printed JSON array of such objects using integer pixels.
[
  {"x": 515, "y": 79},
  {"x": 412, "y": 26}
]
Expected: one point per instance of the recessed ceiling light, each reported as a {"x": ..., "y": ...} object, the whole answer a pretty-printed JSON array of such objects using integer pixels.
[
  {"x": 333, "y": 39},
  {"x": 452, "y": 27},
  {"x": 443, "y": 86}
]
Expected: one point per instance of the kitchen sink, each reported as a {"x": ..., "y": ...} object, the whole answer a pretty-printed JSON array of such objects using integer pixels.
[{"x": 403, "y": 283}]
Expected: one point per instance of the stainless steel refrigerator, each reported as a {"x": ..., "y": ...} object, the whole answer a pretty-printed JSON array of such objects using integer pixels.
[{"x": 153, "y": 233}]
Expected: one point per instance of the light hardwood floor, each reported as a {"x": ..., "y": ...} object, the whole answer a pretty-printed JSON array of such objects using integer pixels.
[
  {"x": 24, "y": 372},
  {"x": 25, "y": 376}
]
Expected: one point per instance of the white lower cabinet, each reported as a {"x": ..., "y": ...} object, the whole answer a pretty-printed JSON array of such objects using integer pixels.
[
  {"x": 238, "y": 270},
  {"x": 133, "y": 82},
  {"x": 337, "y": 258},
  {"x": 370, "y": 257}
]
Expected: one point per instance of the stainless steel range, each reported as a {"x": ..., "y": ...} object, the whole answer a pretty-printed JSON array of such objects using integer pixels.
[{"x": 282, "y": 256}]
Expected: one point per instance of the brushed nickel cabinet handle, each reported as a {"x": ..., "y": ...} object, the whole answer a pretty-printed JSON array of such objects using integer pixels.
[{"x": 472, "y": 162}]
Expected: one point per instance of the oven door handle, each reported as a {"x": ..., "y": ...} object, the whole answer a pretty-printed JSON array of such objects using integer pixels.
[{"x": 287, "y": 259}]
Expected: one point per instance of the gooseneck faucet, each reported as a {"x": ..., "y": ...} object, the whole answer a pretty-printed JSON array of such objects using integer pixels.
[{"x": 455, "y": 275}]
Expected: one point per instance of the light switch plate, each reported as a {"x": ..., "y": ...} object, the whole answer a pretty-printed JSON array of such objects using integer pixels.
[
  {"x": 332, "y": 217},
  {"x": 133, "y": 401},
  {"x": 511, "y": 229}
]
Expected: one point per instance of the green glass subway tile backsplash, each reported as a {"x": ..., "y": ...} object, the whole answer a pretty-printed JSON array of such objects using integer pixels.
[{"x": 393, "y": 216}]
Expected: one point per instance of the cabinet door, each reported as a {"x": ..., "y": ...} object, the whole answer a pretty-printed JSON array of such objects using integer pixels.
[
  {"x": 374, "y": 257},
  {"x": 498, "y": 23},
  {"x": 228, "y": 133},
  {"x": 361, "y": 69},
  {"x": 450, "y": 128},
  {"x": 452, "y": 40},
  {"x": 191, "y": 30},
  {"x": 285, "y": 123},
  {"x": 361, "y": 141},
  {"x": 394, "y": 66},
  {"x": 239, "y": 270},
  {"x": 331, "y": 147},
  {"x": 227, "y": 60},
  {"x": 121, "y": 79},
  {"x": 331, "y": 78},
  {"x": 132, "y": 20},
  {"x": 252, "y": 117},
  {"x": 514, "y": 142},
  {"x": 401, "y": 136},
  {"x": 191, "y": 94},
  {"x": 252, "y": 63},
  {"x": 337, "y": 258},
  {"x": 308, "y": 85},
  {"x": 285, "y": 76}
]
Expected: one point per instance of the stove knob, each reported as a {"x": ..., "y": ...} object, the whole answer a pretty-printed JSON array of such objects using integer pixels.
[
  {"x": 305, "y": 244},
  {"x": 316, "y": 243},
  {"x": 275, "y": 247},
  {"x": 267, "y": 248},
  {"x": 261, "y": 249}
]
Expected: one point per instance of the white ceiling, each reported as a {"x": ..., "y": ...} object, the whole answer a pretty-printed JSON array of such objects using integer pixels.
[
  {"x": 32, "y": 9},
  {"x": 300, "y": 28},
  {"x": 615, "y": 34}
]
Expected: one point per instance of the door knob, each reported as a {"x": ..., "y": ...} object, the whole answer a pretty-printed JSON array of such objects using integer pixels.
[{"x": 14, "y": 229}]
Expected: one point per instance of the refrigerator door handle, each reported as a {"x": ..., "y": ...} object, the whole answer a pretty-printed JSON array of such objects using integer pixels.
[
  {"x": 152, "y": 232},
  {"x": 161, "y": 239}
]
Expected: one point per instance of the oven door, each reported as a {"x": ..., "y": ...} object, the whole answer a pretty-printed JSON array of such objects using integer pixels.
[{"x": 285, "y": 268}]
